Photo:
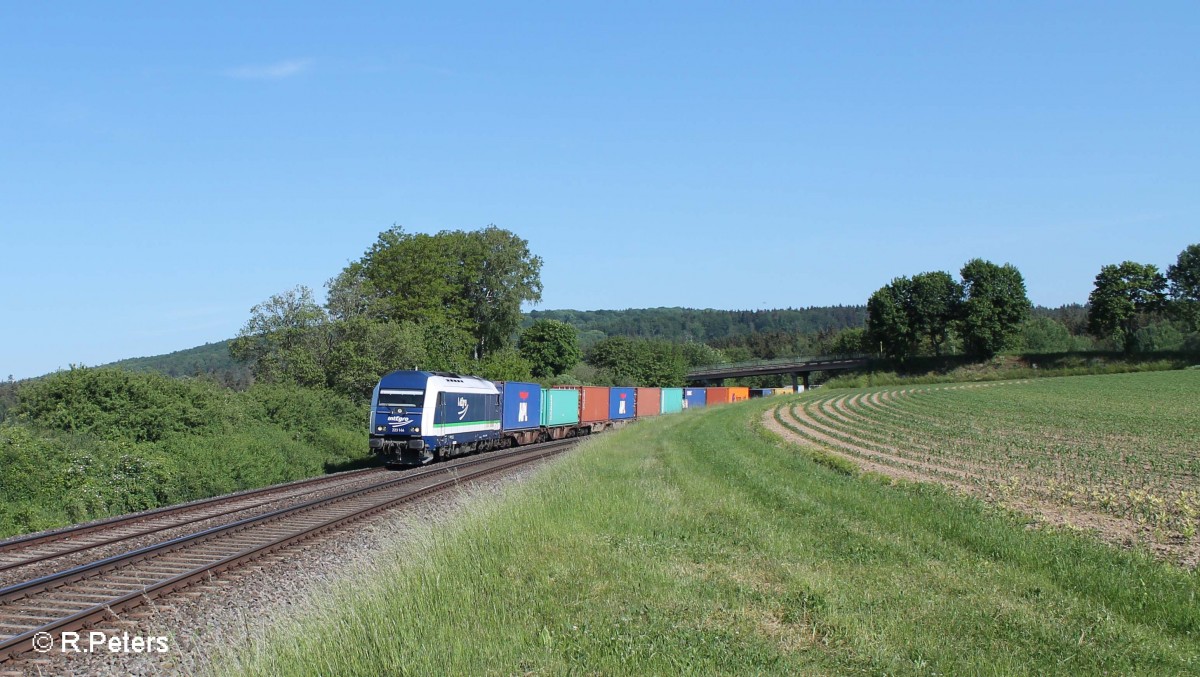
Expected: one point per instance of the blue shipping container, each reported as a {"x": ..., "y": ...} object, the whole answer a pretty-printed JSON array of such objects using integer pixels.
[
  {"x": 521, "y": 405},
  {"x": 620, "y": 403},
  {"x": 694, "y": 398}
]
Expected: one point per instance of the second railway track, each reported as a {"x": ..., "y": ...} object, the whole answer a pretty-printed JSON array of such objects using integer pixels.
[
  {"x": 80, "y": 597},
  {"x": 43, "y": 547}
]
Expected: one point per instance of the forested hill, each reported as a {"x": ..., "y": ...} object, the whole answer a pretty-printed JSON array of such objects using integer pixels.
[
  {"x": 211, "y": 359},
  {"x": 689, "y": 324}
]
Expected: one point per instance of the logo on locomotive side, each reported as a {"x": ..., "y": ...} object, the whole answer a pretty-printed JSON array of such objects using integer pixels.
[{"x": 462, "y": 412}]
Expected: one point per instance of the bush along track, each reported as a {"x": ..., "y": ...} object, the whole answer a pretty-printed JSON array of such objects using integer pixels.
[
  {"x": 1116, "y": 455},
  {"x": 704, "y": 544},
  {"x": 90, "y": 443}
]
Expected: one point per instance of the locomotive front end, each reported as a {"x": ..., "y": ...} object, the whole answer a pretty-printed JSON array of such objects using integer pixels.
[{"x": 397, "y": 421}]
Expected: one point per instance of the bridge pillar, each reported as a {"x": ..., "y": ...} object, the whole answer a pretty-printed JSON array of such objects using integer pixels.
[
  {"x": 795, "y": 383},
  {"x": 806, "y": 375}
]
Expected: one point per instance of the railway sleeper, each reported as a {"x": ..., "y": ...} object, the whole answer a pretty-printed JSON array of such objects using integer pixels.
[
  {"x": 58, "y": 612},
  {"x": 16, "y": 629},
  {"x": 72, "y": 595}
]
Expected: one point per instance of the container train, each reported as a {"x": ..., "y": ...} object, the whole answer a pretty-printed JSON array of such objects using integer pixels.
[{"x": 418, "y": 417}]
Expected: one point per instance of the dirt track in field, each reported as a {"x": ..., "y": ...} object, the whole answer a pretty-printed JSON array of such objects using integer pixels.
[{"x": 840, "y": 428}]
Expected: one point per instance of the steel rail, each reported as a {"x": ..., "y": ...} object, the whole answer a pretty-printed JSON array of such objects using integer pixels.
[
  {"x": 110, "y": 522},
  {"x": 234, "y": 505},
  {"x": 22, "y": 642}
]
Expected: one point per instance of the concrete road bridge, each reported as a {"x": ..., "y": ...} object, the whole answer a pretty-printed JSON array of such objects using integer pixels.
[{"x": 800, "y": 369}]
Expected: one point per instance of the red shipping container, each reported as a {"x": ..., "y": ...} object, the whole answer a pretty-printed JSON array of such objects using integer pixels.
[
  {"x": 649, "y": 402},
  {"x": 593, "y": 403},
  {"x": 718, "y": 396}
]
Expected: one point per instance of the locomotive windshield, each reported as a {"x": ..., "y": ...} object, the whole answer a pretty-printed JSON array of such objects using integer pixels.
[{"x": 401, "y": 398}]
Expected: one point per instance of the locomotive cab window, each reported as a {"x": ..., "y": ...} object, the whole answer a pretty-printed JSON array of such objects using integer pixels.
[{"x": 401, "y": 398}]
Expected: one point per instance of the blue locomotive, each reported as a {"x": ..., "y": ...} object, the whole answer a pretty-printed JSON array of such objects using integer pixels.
[{"x": 418, "y": 416}]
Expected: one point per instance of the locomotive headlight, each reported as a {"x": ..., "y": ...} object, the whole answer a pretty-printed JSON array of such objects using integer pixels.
[
  {"x": 416, "y": 430},
  {"x": 379, "y": 428}
]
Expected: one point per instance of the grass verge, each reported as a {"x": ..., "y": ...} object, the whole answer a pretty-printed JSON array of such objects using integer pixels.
[{"x": 700, "y": 544}]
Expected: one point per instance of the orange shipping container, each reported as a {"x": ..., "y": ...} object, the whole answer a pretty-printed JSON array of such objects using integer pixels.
[
  {"x": 726, "y": 395},
  {"x": 649, "y": 402}
]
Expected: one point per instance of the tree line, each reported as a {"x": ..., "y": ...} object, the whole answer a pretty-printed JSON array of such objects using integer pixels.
[
  {"x": 1132, "y": 307},
  {"x": 682, "y": 325},
  {"x": 1130, "y": 298},
  {"x": 932, "y": 312}
]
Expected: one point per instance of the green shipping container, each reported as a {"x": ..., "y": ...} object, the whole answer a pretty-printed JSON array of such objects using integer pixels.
[
  {"x": 560, "y": 407},
  {"x": 672, "y": 400}
]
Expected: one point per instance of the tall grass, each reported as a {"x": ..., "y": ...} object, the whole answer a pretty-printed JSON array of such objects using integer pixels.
[{"x": 700, "y": 544}]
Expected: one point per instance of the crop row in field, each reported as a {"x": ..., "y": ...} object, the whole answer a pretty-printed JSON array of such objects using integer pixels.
[{"x": 1119, "y": 454}]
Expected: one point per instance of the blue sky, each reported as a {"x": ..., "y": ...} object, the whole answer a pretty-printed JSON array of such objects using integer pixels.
[{"x": 164, "y": 167}]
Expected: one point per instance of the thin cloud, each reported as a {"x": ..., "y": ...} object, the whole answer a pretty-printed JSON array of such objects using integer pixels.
[{"x": 273, "y": 71}]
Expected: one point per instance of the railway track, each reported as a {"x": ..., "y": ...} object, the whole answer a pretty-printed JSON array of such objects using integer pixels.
[
  {"x": 42, "y": 547},
  {"x": 40, "y": 610}
]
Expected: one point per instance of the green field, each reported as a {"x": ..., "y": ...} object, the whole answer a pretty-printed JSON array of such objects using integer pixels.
[
  {"x": 1116, "y": 454},
  {"x": 703, "y": 544}
]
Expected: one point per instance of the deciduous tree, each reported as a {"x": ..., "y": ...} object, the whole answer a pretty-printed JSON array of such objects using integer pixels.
[
  {"x": 362, "y": 350},
  {"x": 994, "y": 306},
  {"x": 934, "y": 305},
  {"x": 505, "y": 364},
  {"x": 851, "y": 341},
  {"x": 1045, "y": 335},
  {"x": 286, "y": 339},
  {"x": 551, "y": 347},
  {"x": 888, "y": 323},
  {"x": 1184, "y": 278},
  {"x": 640, "y": 362},
  {"x": 499, "y": 273},
  {"x": 473, "y": 281},
  {"x": 1126, "y": 297}
]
